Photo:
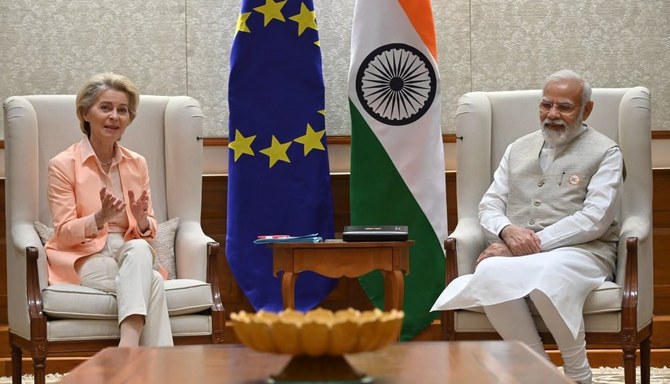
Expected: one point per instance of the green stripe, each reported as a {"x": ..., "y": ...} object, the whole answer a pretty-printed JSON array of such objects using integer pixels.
[{"x": 379, "y": 196}]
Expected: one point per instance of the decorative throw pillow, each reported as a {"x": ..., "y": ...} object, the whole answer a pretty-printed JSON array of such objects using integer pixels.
[
  {"x": 163, "y": 243},
  {"x": 45, "y": 232}
]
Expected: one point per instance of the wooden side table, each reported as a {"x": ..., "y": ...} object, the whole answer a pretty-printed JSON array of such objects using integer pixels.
[{"x": 337, "y": 258}]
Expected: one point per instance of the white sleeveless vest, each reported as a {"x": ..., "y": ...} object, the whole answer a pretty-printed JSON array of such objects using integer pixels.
[{"x": 538, "y": 199}]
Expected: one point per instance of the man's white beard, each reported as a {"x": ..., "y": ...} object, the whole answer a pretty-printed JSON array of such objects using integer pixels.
[{"x": 562, "y": 136}]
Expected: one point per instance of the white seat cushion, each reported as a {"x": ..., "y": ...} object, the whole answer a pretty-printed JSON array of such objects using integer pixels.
[
  {"x": 604, "y": 299},
  {"x": 602, "y": 313},
  {"x": 185, "y": 296},
  {"x": 68, "y": 301}
]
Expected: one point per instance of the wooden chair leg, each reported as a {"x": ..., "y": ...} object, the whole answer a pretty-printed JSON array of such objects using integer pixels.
[
  {"x": 629, "y": 364},
  {"x": 645, "y": 361},
  {"x": 39, "y": 371},
  {"x": 17, "y": 369},
  {"x": 39, "y": 353}
]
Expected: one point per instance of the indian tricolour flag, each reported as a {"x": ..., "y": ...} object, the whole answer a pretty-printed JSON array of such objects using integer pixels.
[{"x": 397, "y": 155}]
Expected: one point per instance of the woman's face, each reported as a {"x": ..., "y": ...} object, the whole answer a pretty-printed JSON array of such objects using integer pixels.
[{"x": 109, "y": 116}]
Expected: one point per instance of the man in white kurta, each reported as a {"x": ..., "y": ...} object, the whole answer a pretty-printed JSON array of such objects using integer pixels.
[{"x": 549, "y": 216}]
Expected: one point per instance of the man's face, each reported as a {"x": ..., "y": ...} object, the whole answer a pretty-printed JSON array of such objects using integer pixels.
[{"x": 561, "y": 112}]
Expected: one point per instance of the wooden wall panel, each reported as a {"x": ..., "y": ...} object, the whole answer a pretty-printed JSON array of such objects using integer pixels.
[
  {"x": 661, "y": 198},
  {"x": 214, "y": 209},
  {"x": 3, "y": 256},
  {"x": 662, "y": 272},
  {"x": 661, "y": 240}
]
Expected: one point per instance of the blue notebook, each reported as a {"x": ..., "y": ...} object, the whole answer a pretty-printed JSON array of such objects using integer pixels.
[{"x": 311, "y": 238}]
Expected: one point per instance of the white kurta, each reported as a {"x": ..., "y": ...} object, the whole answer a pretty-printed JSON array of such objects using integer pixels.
[{"x": 565, "y": 274}]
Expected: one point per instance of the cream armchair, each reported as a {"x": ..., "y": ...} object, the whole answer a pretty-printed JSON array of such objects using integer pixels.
[
  {"x": 619, "y": 313},
  {"x": 44, "y": 319}
]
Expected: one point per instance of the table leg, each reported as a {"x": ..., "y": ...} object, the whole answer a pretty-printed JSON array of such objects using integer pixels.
[
  {"x": 394, "y": 285},
  {"x": 288, "y": 289}
]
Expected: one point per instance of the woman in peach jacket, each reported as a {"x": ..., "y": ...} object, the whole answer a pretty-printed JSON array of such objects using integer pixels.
[{"x": 101, "y": 206}]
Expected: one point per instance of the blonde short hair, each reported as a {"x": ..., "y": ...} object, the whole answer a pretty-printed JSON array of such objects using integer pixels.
[{"x": 99, "y": 83}]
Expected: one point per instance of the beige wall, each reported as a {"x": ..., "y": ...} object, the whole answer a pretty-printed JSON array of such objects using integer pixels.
[{"x": 182, "y": 47}]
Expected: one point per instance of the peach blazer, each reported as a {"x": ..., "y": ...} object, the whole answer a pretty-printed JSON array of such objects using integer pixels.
[{"x": 74, "y": 195}]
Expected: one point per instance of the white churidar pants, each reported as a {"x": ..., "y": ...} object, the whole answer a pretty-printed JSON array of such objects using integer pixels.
[
  {"x": 513, "y": 321},
  {"x": 129, "y": 269}
]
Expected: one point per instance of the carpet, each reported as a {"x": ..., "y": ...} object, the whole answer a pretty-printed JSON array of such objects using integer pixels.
[
  {"x": 51, "y": 378},
  {"x": 603, "y": 375},
  {"x": 606, "y": 375}
]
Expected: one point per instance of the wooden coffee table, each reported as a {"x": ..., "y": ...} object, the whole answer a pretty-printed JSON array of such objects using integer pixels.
[
  {"x": 337, "y": 258},
  {"x": 425, "y": 362}
]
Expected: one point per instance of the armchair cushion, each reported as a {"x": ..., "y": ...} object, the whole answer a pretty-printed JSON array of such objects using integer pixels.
[
  {"x": 163, "y": 243},
  {"x": 185, "y": 296},
  {"x": 44, "y": 231},
  {"x": 69, "y": 301},
  {"x": 604, "y": 299}
]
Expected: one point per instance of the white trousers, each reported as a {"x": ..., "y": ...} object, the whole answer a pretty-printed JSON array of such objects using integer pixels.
[
  {"x": 513, "y": 321},
  {"x": 128, "y": 269}
]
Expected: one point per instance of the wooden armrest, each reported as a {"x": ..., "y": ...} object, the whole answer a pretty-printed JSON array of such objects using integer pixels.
[
  {"x": 218, "y": 312},
  {"x": 630, "y": 287},
  {"x": 38, "y": 324},
  {"x": 213, "y": 273},
  {"x": 451, "y": 262}
]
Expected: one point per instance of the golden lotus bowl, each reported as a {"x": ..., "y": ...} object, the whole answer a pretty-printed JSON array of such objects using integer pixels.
[{"x": 320, "y": 332}]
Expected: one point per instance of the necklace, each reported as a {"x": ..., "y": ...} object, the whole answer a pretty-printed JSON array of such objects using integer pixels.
[{"x": 107, "y": 164}]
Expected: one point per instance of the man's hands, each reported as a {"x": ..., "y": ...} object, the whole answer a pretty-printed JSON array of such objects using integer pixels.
[
  {"x": 520, "y": 241},
  {"x": 495, "y": 249}
]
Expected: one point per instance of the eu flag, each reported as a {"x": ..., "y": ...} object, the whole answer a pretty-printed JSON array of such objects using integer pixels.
[{"x": 278, "y": 181}]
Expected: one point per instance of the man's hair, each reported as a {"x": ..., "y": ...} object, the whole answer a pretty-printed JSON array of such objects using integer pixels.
[
  {"x": 99, "y": 83},
  {"x": 566, "y": 74}
]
